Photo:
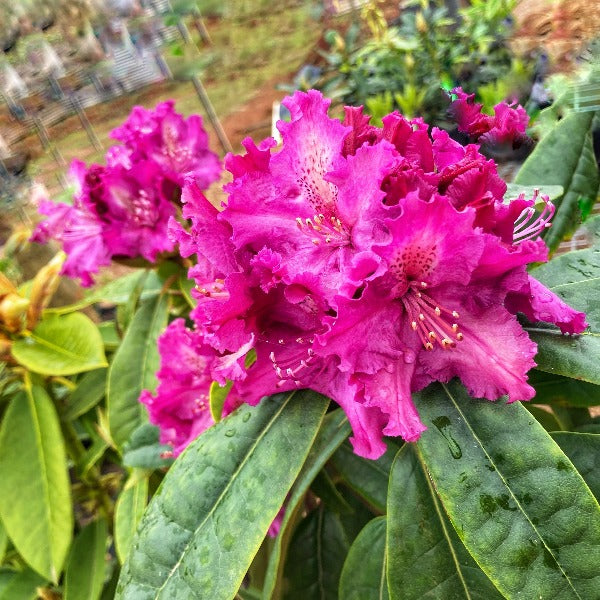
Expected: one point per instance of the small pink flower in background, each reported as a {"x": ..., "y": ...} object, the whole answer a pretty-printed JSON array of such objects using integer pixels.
[
  {"x": 122, "y": 209},
  {"x": 507, "y": 125},
  {"x": 365, "y": 263}
]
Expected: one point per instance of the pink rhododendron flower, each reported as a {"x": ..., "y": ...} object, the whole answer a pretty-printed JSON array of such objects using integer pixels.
[
  {"x": 122, "y": 209},
  {"x": 178, "y": 145},
  {"x": 507, "y": 125},
  {"x": 366, "y": 263},
  {"x": 180, "y": 406}
]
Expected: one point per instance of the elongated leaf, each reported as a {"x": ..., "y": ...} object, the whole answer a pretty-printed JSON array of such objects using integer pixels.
[
  {"x": 61, "y": 346},
  {"x": 514, "y": 190},
  {"x": 35, "y": 498},
  {"x": 426, "y": 559},
  {"x": 369, "y": 478},
  {"x": 89, "y": 391},
  {"x": 583, "y": 449},
  {"x": 21, "y": 586},
  {"x": 232, "y": 479},
  {"x": 564, "y": 157},
  {"x": 315, "y": 557},
  {"x": 144, "y": 450},
  {"x": 86, "y": 567},
  {"x": 3, "y": 542},
  {"x": 563, "y": 391},
  {"x": 216, "y": 399},
  {"x": 333, "y": 432},
  {"x": 516, "y": 501},
  {"x": 363, "y": 575},
  {"x": 128, "y": 512},
  {"x": 133, "y": 368}
]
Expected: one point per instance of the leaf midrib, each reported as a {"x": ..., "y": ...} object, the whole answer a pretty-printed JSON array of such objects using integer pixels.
[
  {"x": 497, "y": 470},
  {"x": 251, "y": 450}
]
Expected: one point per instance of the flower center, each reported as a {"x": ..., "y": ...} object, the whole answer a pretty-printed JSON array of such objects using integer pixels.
[
  {"x": 216, "y": 289},
  {"x": 433, "y": 322},
  {"x": 143, "y": 211},
  {"x": 291, "y": 371},
  {"x": 528, "y": 226},
  {"x": 324, "y": 230}
]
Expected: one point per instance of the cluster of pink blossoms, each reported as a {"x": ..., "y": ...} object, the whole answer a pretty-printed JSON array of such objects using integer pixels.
[
  {"x": 363, "y": 263},
  {"x": 121, "y": 209}
]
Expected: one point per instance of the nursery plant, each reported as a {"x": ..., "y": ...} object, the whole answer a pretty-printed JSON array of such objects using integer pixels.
[{"x": 371, "y": 381}]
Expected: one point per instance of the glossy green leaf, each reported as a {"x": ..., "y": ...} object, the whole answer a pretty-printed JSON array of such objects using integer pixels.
[
  {"x": 425, "y": 557},
  {"x": 21, "y": 586},
  {"x": 564, "y": 157},
  {"x": 544, "y": 417},
  {"x": 61, "y": 345},
  {"x": 334, "y": 430},
  {"x": 144, "y": 450},
  {"x": 363, "y": 575},
  {"x": 109, "y": 334},
  {"x": 515, "y": 499},
  {"x": 35, "y": 496},
  {"x": 563, "y": 391},
  {"x": 315, "y": 557},
  {"x": 583, "y": 449},
  {"x": 369, "y": 478},
  {"x": 3, "y": 542},
  {"x": 89, "y": 391},
  {"x": 324, "y": 488},
  {"x": 86, "y": 567},
  {"x": 133, "y": 368},
  {"x": 514, "y": 190},
  {"x": 128, "y": 512},
  {"x": 232, "y": 479}
]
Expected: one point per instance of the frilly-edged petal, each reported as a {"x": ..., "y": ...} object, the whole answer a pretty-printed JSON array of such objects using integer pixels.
[
  {"x": 538, "y": 303},
  {"x": 256, "y": 159},
  {"x": 360, "y": 131},
  {"x": 493, "y": 358}
]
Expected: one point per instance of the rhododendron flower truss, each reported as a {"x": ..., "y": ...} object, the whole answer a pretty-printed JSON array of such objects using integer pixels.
[
  {"x": 365, "y": 263},
  {"x": 507, "y": 125}
]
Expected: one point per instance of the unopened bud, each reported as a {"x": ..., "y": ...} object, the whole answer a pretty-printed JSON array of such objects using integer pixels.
[
  {"x": 420, "y": 23},
  {"x": 6, "y": 287},
  {"x": 12, "y": 312},
  {"x": 43, "y": 287},
  {"x": 409, "y": 62}
]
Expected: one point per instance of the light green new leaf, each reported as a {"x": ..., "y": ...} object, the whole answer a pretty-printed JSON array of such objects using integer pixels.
[
  {"x": 35, "y": 496},
  {"x": 209, "y": 517},
  {"x": 133, "y": 368},
  {"x": 3, "y": 542},
  {"x": 519, "y": 506},
  {"x": 564, "y": 157},
  {"x": 368, "y": 478},
  {"x": 216, "y": 399},
  {"x": 334, "y": 430},
  {"x": 363, "y": 574},
  {"x": 315, "y": 557},
  {"x": 86, "y": 567},
  {"x": 89, "y": 391},
  {"x": 425, "y": 557},
  {"x": 61, "y": 345},
  {"x": 583, "y": 449},
  {"x": 20, "y": 586},
  {"x": 128, "y": 512}
]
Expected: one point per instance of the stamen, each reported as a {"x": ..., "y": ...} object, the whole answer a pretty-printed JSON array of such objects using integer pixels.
[
  {"x": 527, "y": 229},
  {"x": 431, "y": 321},
  {"x": 291, "y": 372},
  {"x": 331, "y": 231}
]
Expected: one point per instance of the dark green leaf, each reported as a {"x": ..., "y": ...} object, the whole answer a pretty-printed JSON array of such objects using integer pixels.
[
  {"x": 144, "y": 450},
  {"x": 515, "y": 499},
  {"x": 563, "y": 391},
  {"x": 584, "y": 451},
  {"x": 61, "y": 345},
  {"x": 369, "y": 478},
  {"x": 425, "y": 557},
  {"x": 35, "y": 497},
  {"x": 128, "y": 512},
  {"x": 564, "y": 157},
  {"x": 89, "y": 391},
  {"x": 324, "y": 487},
  {"x": 315, "y": 557},
  {"x": 232, "y": 479},
  {"x": 333, "y": 432},
  {"x": 544, "y": 417},
  {"x": 363, "y": 575},
  {"x": 514, "y": 190},
  {"x": 133, "y": 368},
  {"x": 86, "y": 567}
]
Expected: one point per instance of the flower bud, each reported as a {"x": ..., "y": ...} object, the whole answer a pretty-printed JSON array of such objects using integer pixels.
[
  {"x": 420, "y": 23},
  {"x": 43, "y": 287},
  {"x": 409, "y": 62},
  {"x": 12, "y": 312}
]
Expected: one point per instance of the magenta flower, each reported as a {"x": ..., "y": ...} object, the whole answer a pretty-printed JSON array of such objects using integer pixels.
[
  {"x": 180, "y": 406},
  {"x": 508, "y": 124},
  {"x": 178, "y": 145},
  {"x": 365, "y": 263}
]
